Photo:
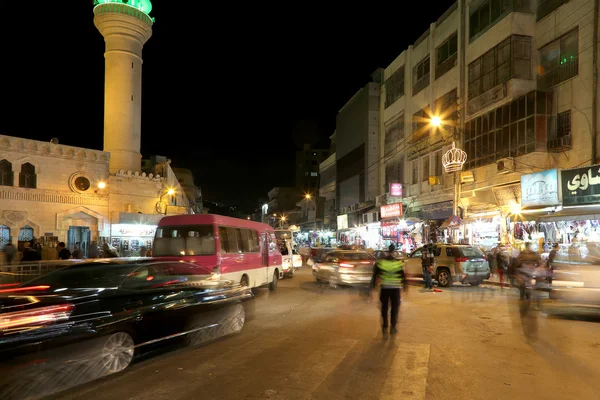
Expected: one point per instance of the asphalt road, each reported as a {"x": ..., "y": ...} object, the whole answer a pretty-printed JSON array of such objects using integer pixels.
[{"x": 312, "y": 342}]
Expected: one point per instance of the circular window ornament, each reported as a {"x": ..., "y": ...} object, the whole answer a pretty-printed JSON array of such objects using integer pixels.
[{"x": 82, "y": 183}]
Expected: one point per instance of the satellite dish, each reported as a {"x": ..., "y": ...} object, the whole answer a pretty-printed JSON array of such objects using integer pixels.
[{"x": 54, "y": 140}]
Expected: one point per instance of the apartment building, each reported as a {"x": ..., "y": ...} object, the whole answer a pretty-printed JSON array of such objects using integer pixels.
[{"x": 513, "y": 83}]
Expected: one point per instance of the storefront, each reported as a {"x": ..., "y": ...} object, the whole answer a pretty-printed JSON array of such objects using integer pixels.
[
  {"x": 433, "y": 217},
  {"x": 130, "y": 232},
  {"x": 577, "y": 224},
  {"x": 539, "y": 195},
  {"x": 483, "y": 231}
]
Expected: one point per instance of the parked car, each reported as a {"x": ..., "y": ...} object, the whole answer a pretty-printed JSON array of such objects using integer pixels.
[
  {"x": 345, "y": 268},
  {"x": 92, "y": 318},
  {"x": 453, "y": 263}
]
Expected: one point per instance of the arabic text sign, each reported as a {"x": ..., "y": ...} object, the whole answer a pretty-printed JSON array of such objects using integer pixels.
[
  {"x": 396, "y": 189},
  {"x": 540, "y": 189},
  {"x": 581, "y": 186},
  {"x": 391, "y": 210}
]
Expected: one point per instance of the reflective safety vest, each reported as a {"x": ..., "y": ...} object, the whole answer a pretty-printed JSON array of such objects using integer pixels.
[{"x": 391, "y": 272}]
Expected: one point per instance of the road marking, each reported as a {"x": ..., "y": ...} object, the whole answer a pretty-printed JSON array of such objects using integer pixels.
[{"x": 407, "y": 377}]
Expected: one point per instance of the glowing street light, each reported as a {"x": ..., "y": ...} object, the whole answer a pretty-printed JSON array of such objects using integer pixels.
[
  {"x": 307, "y": 196},
  {"x": 171, "y": 192},
  {"x": 436, "y": 121},
  {"x": 101, "y": 185}
]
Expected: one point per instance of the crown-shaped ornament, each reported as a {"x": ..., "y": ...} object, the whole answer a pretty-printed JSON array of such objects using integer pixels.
[{"x": 454, "y": 159}]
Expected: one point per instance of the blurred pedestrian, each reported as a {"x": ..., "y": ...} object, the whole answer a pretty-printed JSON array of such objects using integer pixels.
[
  {"x": 390, "y": 273},
  {"x": 94, "y": 250},
  {"x": 10, "y": 252},
  {"x": 427, "y": 262},
  {"x": 503, "y": 262},
  {"x": 30, "y": 254},
  {"x": 77, "y": 252},
  {"x": 143, "y": 251},
  {"x": 63, "y": 252}
]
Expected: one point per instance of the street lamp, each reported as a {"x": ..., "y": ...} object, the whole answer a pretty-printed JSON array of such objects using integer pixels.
[
  {"x": 453, "y": 161},
  {"x": 307, "y": 196}
]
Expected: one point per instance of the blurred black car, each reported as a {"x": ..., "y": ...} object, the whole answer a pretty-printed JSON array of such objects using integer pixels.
[{"x": 96, "y": 316}]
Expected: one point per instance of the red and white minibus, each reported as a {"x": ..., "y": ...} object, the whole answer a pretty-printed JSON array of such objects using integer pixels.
[{"x": 233, "y": 249}]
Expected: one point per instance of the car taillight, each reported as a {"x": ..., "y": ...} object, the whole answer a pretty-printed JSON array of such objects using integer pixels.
[
  {"x": 346, "y": 265},
  {"x": 25, "y": 289},
  {"x": 461, "y": 259},
  {"x": 35, "y": 318}
]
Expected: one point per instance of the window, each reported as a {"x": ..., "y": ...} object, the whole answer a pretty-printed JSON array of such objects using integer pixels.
[
  {"x": 394, "y": 87},
  {"x": 490, "y": 12},
  {"x": 421, "y": 124},
  {"x": 27, "y": 177},
  {"x": 425, "y": 175},
  {"x": 82, "y": 183},
  {"x": 4, "y": 236},
  {"x": 6, "y": 173},
  {"x": 313, "y": 174},
  {"x": 196, "y": 240},
  {"x": 437, "y": 163},
  {"x": 507, "y": 131},
  {"x": 509, "y": 59},
  {"x": 415, "y": 172},
  {"x": 154, "y": 276},
  {"x": 446, "y": 55},
  {"x": 394, "y": 171},
  {"x": 559, "y": 61},
  {"x": 563, "y": 124},
  {"x": 421, "y": 75},
  {"x": 446, "y": 107},
  {"x": 394, "y": 132},
  {"x": 26, "y": 234},
  {"x": 545, "y": 7}
]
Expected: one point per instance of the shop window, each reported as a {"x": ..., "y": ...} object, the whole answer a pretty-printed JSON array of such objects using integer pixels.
[
  {"x": 27, "y": 177},
  {"x": 25, "y": 234},
  {"x": 394, "y": 87},
  {"x": 4, "y": 236},
  {"x": 559, "y": 61},
  {"x": 6, "y": 173}
]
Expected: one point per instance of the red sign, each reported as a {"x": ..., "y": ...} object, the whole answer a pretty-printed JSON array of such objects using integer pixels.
[
  {"x": 391, "y": 210},
  {"x": 396, "y": 189}
]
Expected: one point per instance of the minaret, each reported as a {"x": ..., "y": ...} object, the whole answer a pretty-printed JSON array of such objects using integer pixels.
[{"x": 126, "y": 26}]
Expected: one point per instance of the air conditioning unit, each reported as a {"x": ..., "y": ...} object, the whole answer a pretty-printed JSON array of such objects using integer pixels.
[
  {"x": 370, "y": 217},
  {"x": 505, "y": 165},
  {"x": 380, "y": 200}
]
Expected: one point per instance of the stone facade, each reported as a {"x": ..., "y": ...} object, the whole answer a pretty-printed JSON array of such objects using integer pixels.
[{"x": 72, "y": 187}]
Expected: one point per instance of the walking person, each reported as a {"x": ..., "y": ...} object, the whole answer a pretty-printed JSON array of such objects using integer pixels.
[
  {"x": 427, "y": 261},
  {"x": 503, "y": 262},
  {"x": 390, "y": 273}
]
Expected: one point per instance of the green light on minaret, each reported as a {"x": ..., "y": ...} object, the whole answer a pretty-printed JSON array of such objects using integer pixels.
[{"x": 144, "y": 6}]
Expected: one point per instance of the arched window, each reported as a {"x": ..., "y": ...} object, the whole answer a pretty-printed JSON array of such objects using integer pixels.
[
  {"x": 26, "y": 234},
  {"x": 27, "y": 177},
  {"x": 4, "y": 236},
  {"x": 6, "y": 173}
]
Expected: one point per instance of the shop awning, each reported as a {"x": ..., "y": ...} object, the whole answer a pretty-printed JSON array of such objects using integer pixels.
[{"x": 573, "y": 214}]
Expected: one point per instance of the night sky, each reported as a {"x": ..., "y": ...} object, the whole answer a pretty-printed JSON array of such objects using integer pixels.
[{"x": 227, "y": 92}]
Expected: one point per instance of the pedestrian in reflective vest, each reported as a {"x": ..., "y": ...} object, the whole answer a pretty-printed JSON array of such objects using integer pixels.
[{"x": 390, "y": 273}]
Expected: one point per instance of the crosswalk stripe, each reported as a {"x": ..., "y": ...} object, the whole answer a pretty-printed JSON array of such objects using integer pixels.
[{"x": 407, "y": 377}]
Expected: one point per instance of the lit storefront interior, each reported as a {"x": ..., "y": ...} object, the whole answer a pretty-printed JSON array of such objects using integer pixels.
[{"x": 132, "y": 232}]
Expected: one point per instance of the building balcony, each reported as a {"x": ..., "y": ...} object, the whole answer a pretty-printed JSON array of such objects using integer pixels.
[
  {"x": 421, "y": 84},
  {"x": 545, "y": 7},
  {"x": 560, "y": 144},
  {"x": 559, "y": 74},
  {"x": 445, "y": 66}
]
